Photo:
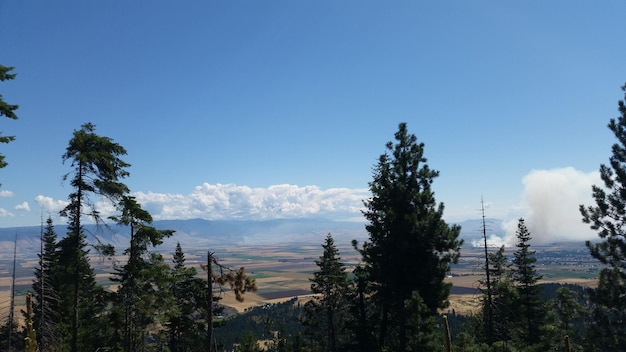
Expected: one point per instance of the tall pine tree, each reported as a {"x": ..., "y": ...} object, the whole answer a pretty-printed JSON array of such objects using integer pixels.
[
  {"x": 46, "y": 297},
  {"x": 607, "y": 218},
  {"x": 143, "y": 292},
  {"x": 327, "y": 311},
  {"x": 410, "y": 246},
  {"x": 525, "y": 278},
  {"x": 189, "y": 292},
  {"x": 97, "y": 171}
]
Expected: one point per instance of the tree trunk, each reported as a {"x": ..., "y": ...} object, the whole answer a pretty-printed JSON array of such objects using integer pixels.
[{"x": 209, "y": 302}]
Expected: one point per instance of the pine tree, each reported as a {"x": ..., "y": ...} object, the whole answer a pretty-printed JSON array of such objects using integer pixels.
[
  {"x": 239, "y": 283},
  {"x": 46, "y": 297},
  {"x": 97, "y": 171},
  {"x": 504, "y": 294},
  {"x": 6, "y": 109},
  {"x": 10, "y": 338},
  {"x": 189, "y": 292},
  {"x": 525, "y": 278},
  {"x": 143, "y": 279},
  {"x": 410, "y": 246},
  {"x": 249, "y": 343},
  {"x": 607, "y": 218},
  {"x": 327, "y": 313}
]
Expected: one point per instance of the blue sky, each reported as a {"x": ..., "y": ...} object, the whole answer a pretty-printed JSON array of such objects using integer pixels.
[{"x": 264, "y": 109}]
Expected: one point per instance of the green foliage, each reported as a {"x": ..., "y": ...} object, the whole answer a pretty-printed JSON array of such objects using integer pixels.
[
  {"x": 6, "y": 109},
  {"x": 30, "y": 336},
  {"x": 249, "y": 343},
  {"x": 10, "y": 338},
  {"x": 410, "y": 246},
  {"x": 144, "y": 298},
  {"x": 497, "y": 317},
  {"x": 466, "y": 342},
  {"x": 525, "y": 277},
  {"x": 263, "y": 322},
  {"x": 607, "y": 218},
  {"x": 190, "y": 294},
  {"x": 326, "y": 313},
  {"x": 46, "y": 297},
  {"x": 97, "y": 171}
]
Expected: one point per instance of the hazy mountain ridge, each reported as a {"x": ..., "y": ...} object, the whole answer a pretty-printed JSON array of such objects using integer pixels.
[
  {"x": 205, "y": 233},
  {"x": 199, "y": 233}
]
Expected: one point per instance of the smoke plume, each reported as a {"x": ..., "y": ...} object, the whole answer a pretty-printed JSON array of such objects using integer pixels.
[{"x": 551, "y": 206}]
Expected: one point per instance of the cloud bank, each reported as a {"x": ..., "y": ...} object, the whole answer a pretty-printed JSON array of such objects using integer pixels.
[
  {"x": 233, "y": 202},
  {"x": 549, "y": 205}
]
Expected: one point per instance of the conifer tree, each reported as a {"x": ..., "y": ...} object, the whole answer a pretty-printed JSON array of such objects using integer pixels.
[
  {"x": 410, "y": 246},
  {"x": 237, "y": 280},
  {"x": 327, "y": 313},
  {"x": 189, "y": 292},
  {"x": 607, "y": 218},
  {"x": 525, "y": 278},
  {"x": 504, "y": 296},
  {"x": 10, "y": 338},
  {"x": 97, "y": 171},
  {"x": 6, "y": 109},
  {"x": 46, "y": 297},
  {"x": 143, "y": 294}
]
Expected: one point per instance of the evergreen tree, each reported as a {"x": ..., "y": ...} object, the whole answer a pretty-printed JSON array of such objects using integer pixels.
[
  {"x": 566, "y": 316},
  {"x": 189, "y": 293},
  {"x": 359, "y": 323},
  {"x": 97, "y": 171},
  {"x": 503, "y": 296},
  {"x": 607, "y": 218},
  {"x": 248, "y": 343},
  {"x": 143, "y": 279},
  {"x": 525, "y": 278},
  {"x": 327, "y": 312},
  {"x": 46, "y": 298},
  {"x": 239, "y": 283},
  {"x": 410, "y": 246},
  {"x": 6, "y": 109},
  {"x": 11, "y": 340}
]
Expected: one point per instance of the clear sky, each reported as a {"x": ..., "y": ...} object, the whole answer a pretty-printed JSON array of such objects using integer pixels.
[{"x": 269, "y": 109}]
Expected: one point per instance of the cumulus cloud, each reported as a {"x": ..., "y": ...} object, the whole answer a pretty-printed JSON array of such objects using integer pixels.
[
  {"x": 551, "y": 202},
  {"x": 22, "y": 207},
  {"x": 50, "y": 205},
  {"x": 5, "y": 193},
  {"x": 229, "y": 202},
  {"x": 233, "y": 202},
  {"x": 5, "y": 213}
]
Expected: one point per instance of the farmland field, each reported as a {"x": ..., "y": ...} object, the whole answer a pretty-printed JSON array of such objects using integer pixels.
[{"x": 283, "y": 271}]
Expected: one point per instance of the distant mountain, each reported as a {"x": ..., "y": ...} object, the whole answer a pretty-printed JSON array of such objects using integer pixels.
[{"x": 200, "y": 233}]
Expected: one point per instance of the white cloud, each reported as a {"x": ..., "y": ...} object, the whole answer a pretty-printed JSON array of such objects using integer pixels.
[
  {"x": 551, "y": 205},
  {"x": 5, "y": 193},
  {"x": 5, "y": 213},
  {"x": 23, "y": 207},
  {"x": 228, "y": 201},
  {"x": 50, "y": 205}
]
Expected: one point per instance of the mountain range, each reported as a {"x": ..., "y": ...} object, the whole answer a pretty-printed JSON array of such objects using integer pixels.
[{"x": 202, "y": 233}]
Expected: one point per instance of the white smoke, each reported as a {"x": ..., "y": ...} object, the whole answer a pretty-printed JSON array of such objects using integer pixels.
[{"x": 551, "y": 206}]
